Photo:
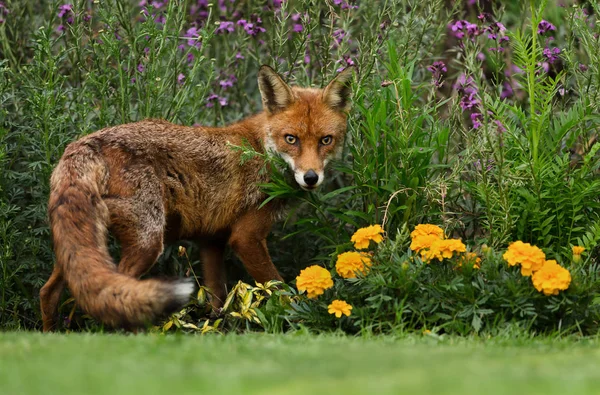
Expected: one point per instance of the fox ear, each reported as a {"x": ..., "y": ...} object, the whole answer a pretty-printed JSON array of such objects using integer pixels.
[
  {"x": 337, "y": 94},
  {"x": 276, "y": 94}
]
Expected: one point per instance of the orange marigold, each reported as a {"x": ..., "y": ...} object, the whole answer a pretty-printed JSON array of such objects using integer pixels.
[
  {"x": 578, "y": 250},
  {"x": 530, "y": 257},
  {"x": 348, "y": 263},
  {"x": 363, "y": 236},
  {"x": 427, "y": 230},
  {"x": 339, "y": 307},
  {"x": 551, "y": 278},
  {"x": 441, "y": 249},
  {"x": 423, "y": 242},
  {"x": 314, "y": 280}
]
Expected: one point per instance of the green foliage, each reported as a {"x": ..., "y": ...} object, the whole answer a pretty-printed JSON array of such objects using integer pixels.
[{"x": 458, "y": 148}]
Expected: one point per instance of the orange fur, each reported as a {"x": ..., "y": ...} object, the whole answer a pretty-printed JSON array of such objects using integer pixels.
[{"x": 152, "y": 181}]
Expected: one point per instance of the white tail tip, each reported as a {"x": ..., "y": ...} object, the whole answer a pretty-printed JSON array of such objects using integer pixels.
[{"x": 183, "y": 289}]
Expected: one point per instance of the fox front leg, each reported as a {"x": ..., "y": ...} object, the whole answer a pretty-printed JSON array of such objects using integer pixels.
[{"x": 248, "y": 240}]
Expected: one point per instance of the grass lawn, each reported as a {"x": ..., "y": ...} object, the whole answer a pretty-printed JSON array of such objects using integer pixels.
[{"x": 32, "y": 363}]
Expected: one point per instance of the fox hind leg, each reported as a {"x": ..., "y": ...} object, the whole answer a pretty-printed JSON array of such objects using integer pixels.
[
  {"x": 211, "y": 255},
  {"x": 49, "y": 299},
  {"x": 139, "y": 226}
]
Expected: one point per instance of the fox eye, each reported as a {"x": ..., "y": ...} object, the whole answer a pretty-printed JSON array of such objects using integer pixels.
[
  {"x": 290, "y": 139},
  {"x": 326, "y": 140}
]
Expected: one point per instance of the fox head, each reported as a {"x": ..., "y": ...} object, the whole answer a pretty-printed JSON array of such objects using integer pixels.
[{"x": 306, "y": 127}]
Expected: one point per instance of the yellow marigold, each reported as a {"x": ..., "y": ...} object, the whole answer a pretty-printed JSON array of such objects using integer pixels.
[
  {"x": 441, "y": 249},
  {"x": 339, "y": 307},
  {"x": 363, "y": 236},
  {"x": 551, "y": 278},
  {"x": 530, "y": 257},
  {"x": 427, "y": 230},
  {"x": 314, "y": 280},
  {"x": 422, "y": 242},
  {"x": 348, "y": 263},
  {"x": 469, "y": 259}
]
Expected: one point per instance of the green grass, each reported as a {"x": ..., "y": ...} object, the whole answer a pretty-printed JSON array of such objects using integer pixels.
[{"x": 32, "y": 363}]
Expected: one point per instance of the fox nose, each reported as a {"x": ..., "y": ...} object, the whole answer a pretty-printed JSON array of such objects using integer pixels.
[{"x": 311, "y": 178}]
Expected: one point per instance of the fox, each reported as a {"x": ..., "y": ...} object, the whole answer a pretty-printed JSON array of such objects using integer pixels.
[{"x": 153, "y": 182}]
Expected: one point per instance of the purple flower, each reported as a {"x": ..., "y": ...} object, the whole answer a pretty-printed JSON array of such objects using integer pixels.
[
  {"x": 225, "y": 26},
  {"x": 346, "y": 61},
  {"x": 3, "y": 11},
  {"x": 494, "y": 29},
  {"x": 140, "y": 68},
  {"x": 180, "y": 79},
  {"x": 338, "y": 36},
  {"x": 213, "y": 97},
  {"x": 476, "y": 119},
  {"x": 468, "y": 91},
  {"x": 544, "y": 26},
  {"x": 507, "y": 90},
  {"x": 437, "y": 69},
  {"x": 583, "y": 68},
  {"x": 252, "y": 28},
  {"x": 65, "y": 9},
  {"x": 345, "y": 5},
  {"x": 192, "y": 35},
  {"x": 551, "y": 54},
  {"x": 228, "y": 82},
  {"x": 297, "y": 28},
  {"x": 484, "y": 17},
  {"x": 210, "y": 99},
  {"x": 460, "y": 27},
  {"x": 239, "y": 56}
]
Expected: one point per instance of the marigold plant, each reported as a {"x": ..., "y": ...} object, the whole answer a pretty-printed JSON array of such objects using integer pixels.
[
  {"x": 314, "y": 280},
  {"x": 530, "y": 257},
  {"x": 551, "y": 278},
  {"x": 578, "y": 250},
  {"x": 349, "y": 263},
  {"x": 362, "y": 237},
  {"x": 339, "y": 307}
]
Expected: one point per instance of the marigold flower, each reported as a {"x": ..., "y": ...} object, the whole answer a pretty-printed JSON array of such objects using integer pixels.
[
  {"x": 551, "y": 278},
  {"x": 348, "y": 263},
  {"x": 363, "y": 236},
  {"x": 423, "y": 242},
  {"x": 339, "y": 307},
  {"x": 530, "y": 257},
  {"x": 469, "y": 259},
  {"x": 441, "y": 249},
  {"x": 427, "y": 230},
  {"x": 314, "y": 280}
]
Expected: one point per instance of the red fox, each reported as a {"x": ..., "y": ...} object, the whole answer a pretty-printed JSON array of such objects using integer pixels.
[{"x": 152, "y": 182}]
